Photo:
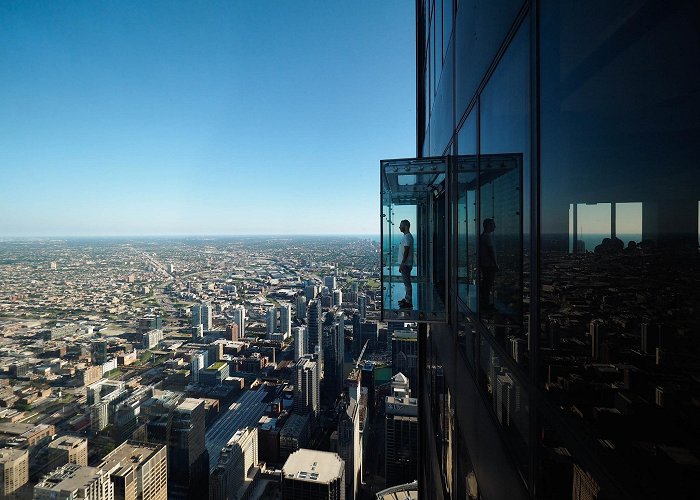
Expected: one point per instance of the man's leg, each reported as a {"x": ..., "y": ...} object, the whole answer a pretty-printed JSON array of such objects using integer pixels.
[{"x": 406, "y": 274}]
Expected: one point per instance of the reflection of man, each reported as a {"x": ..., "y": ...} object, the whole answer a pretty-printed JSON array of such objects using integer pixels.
[
  {"x": 488, "y": 264},
  {"x": 406, "y": 263}
]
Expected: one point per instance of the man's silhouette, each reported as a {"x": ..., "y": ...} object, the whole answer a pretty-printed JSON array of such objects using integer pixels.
[{"x": 406, "y": 263}]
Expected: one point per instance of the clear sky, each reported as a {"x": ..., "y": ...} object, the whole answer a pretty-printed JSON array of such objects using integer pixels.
[{"x": 202, "y": 117}]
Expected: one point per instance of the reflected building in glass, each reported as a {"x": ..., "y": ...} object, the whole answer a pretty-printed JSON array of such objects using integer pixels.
[{"x": 554, "y": 204}]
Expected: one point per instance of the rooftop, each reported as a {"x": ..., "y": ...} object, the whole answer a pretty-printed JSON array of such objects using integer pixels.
[
  {"x": 70, "y": 477},
  {"x": 128, "y": 455},
  {"x": 313, "y": 465}
]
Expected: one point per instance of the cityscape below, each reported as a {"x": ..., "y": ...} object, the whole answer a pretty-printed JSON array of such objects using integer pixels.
[{"x": 163, "y": 367}]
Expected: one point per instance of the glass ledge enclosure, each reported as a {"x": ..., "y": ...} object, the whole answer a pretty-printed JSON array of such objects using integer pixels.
[{"x": 414, "y": 239}]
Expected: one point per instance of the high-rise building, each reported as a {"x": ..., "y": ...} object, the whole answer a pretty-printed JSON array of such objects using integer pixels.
[
  {"x": 314, "y": 323},
  {"x": 337, "y": 297},
  {"x": 338, "y": 338},
  {"x": 362, "y": 305},
  {"x": 313, "y": 475},
  {"x": 286, "y": 319},
  {"x": 310, "y": 291},
  {"x": 207, "y": 316},
  {"x": 232, "y": 332},
  {"x": 152, "y": 338},
  {"x": 271, "y": 320},
  {"x": 99, "y": 351},
  {"x": 404, "y": 355},
  {"x": 67, "y": 450},
  {"x": 182, "y": 428},
  {"x": 306, "y": 386},
  {"x": 329, "y": 282},
  {"x": 300, "y": 304},
  {"x": 301, "y": 341},
  {"x": 138, "y": 471},
  {"x": 239, "y": 319},
  {"x": 349, "y": 447},
  {"x": 72, "y": 481},
  {"x": 197, "y": 363},
  {"x": 196, "y": 314},
  {"x": 235, "y": 472},
  {"x": 401, "y": 440},
  {"x": 546, "y": 210},
  {"x": 14, "y": 471}
]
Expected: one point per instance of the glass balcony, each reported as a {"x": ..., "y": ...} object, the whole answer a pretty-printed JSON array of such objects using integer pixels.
[{"x": 414, "y": 239}]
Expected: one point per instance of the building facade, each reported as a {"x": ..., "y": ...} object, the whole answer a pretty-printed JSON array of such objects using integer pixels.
[
  {"x": 67, "y": 450},
  {"x": 138, "y": 471},
  {"x": 14, "y": 471},
  {"x": 565, "y": 199}
]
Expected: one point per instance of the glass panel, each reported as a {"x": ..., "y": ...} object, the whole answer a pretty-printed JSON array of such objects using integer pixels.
[
  {"x": 509, "y": 400},
  {"x": 504, "y": 166},
  {"x": 414, "y": 239},
  {"x": 481, "y": 27},
  {"x": 441, "y": 123},
  {"x": 467, "y": 230},
  {"x": 446, "y": 25},
  {"x": 620, "y": 350}
]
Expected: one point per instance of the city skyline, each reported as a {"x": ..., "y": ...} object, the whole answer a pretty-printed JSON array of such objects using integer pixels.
[{"x": 125, "y": 119}]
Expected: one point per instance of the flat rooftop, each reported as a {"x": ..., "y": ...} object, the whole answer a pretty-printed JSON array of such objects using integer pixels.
[
  {"x": 70, "y": 478},
  {"x": 313, "y": 466},
  {"x": 128, "y": 455},
  {"x": 67, "y": 442}
]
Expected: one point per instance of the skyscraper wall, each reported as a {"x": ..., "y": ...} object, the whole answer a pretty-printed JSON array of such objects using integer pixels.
[
  {"x": 286, "y": 318},
  {"x": 559, "y": 231},
  {"x": 239, "y": 319}
]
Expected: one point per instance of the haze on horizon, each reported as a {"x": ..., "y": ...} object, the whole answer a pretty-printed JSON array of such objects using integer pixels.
[{"x": 181, "y": 118}]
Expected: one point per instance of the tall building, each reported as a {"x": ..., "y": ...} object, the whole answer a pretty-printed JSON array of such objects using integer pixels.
[
  {"x": 235, "y": 472},
  {"x": 232, "y": 332},
  {"x": 349, "y": 447},
  {"x": 286, "y": 319},
  {"x": 306, "y": 386},
  {"x": 404, "y": 355},
  {"x": 207, "y": 316},
  {"x": 300, "y": 305},
  {"x": 99, "y": 351},
  {"x": 271, "y": 320},
  {"x": 188, "y": 459},
  {"x": 67, "y": 450},
  {"x": 329, "y": 282},
  {"x": 14, "y": 471},
  {"x": 310, "y": 291},
  {"x": 545, "y": 126},
  {"x": 138, "y": 471},
  {"x": 401, "y": 440},
  {"x": 338, "y": 334},
  {"x": 313, "y": 475},
  {"x": 239, "y": 319},
  {"x": 72, "y": 481},
  {"x": 196, "y": 364},
  {"x": 196, "y": 314},
  {"x": 314, "y": 323},
  {"x": 301, "y": 341},
  {"x": 337, "y": 297},
  {"x": 152, "y": 338},
  {"x": 362, "y": 305}
]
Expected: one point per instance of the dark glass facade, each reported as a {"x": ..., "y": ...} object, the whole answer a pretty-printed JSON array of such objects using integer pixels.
[{"x": 568, "y": 361}]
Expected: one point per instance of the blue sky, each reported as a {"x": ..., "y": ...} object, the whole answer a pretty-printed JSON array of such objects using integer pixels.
[{"x": 235, "y": 117}]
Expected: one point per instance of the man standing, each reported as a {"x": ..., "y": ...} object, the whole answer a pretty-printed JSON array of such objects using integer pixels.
[{"x": 406, "y": 263}]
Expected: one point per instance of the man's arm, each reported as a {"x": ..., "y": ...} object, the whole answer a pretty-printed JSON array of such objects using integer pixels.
[{"x": 404, "y": 259}]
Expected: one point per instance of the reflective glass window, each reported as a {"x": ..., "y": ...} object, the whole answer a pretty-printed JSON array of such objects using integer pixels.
[
  {"x": 504, "y": 166},
  {"x": 620, "y": 267},
  {"x": 481, "y": 27},
  {"x": 466, "y": 218}
]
